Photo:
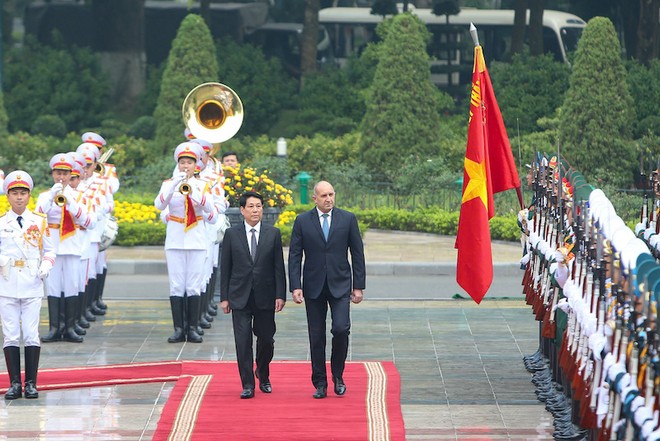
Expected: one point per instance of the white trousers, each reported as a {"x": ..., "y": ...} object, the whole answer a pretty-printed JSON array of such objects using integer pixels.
[
  {"x": 65, "y": 276},
  {"x": 84, "y": 269},
  {"x": 17, "y": 314},
  {"x": 185, "y": 271}
]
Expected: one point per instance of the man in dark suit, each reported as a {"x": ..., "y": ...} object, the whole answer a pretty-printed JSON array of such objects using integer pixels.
[
  {"x": 253, "y": 289},
  {"x": 325, "y": 235}
]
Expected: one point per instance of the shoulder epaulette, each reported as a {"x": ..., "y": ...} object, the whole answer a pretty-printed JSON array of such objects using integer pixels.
[{"x": 44, "y": 215}]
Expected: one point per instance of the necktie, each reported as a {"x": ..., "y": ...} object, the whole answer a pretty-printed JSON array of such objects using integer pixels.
[
  {"x": 325, "y": 226},
  {"x": 253, "y": 244},
  {"x": 19, "y": 219}
]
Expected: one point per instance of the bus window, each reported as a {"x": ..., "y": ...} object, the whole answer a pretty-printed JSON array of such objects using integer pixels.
[{"x": 451, "y": 48}]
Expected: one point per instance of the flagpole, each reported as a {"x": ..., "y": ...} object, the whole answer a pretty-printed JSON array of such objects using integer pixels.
[{"x": 474, "y": 34}]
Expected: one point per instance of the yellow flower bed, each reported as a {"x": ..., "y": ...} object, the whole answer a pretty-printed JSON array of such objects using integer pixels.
[
  {"x": 286, "y": 218},
  {"x": 132, "y": 212}
]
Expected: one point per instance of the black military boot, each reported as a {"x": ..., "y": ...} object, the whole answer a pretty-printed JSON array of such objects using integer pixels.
[
  {"x": 77, "y": 327},
  {"x": 204, "y": 323},
  {"x": 89, "y": 298},
  {"x": 70, "y": 308},
  {"x": 193, "y": 319},
  {"x": 82, "y": 304},
  {"x": 176, "y": 304},
  {"x": 54, "y": 328},
  {"x": 13, "y": 360},
  {"x": 93, "y": 305},
  {"x": 101, "y": 285},
  {"x": 31, "y": 366}
]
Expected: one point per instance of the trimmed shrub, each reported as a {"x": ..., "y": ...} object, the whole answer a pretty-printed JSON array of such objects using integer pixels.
[{"x": 191, "y": 62}]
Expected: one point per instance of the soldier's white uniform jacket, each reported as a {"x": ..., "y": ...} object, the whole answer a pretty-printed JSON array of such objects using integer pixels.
[
  {"x": 100, "y": 197},
  {"x": 180, "y": 235},
  {"x": 70, "y": 244},
  {"x": 22, "y": 251}
]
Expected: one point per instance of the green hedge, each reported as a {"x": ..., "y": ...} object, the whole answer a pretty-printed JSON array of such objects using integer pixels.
[
  {"x": 429, "y": 220},
  {"x": 140, "y": 234}
]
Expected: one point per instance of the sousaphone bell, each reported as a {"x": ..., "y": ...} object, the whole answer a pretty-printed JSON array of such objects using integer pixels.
[{"x": 213, "y": 112}]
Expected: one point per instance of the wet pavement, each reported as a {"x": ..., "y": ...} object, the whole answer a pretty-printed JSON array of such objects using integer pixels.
[{"x": 460, "y": 363}]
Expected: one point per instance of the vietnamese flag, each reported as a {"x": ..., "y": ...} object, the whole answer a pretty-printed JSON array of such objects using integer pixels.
[{"x": 488, "y": 168}]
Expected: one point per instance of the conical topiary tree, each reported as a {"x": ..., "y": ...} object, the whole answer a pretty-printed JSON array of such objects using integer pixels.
[
  {"x": 597, "y": 115},
  {"x": 403, "y": 105},
  {"x": 192, "y": 61}
]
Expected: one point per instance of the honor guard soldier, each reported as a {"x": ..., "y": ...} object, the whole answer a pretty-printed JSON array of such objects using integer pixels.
[
  {"x": 77, "y": 182},
  {"x": 107, "y": 172},
  {"x": 65, "y": 215},
  {"x": 2, "y": 180},
  {"x": 215, "y": 232},
  {"x": 27, "y": 254},
  {"x": 188, "y": 205},
  {"x": 99, "y": 193}
]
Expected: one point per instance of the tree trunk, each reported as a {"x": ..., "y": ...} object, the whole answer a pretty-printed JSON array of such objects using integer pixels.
[
  {"x": 309, "y": 39},
  {"x": 119, "y": 41},
  {"x": 648, "y": 32},
  {"x": 519, "y": 25},
  {"x": 536, "y": 27}
]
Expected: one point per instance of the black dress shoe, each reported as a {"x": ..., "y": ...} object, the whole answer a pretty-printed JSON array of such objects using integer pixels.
[
  {"x": 14, "y": 391},
  {"x": 247, "y": 393},
  {"x": 321, "y": 392},
  {"x": 265, "y": 387},
  {"x": 340, "y": 387},
  {"x": 31, "y": 390}
]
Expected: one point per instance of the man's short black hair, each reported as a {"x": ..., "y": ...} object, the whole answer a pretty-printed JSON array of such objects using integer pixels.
[
  {"x": 225, "y": 154},
  {"x": 249, "y": 194}
]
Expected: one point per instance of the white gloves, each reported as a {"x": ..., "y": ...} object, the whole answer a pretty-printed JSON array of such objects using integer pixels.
[
  {"x": 179, "y": 177},
  {"x": 56, "y": 188},
  {"x": 44, "y": 269}
]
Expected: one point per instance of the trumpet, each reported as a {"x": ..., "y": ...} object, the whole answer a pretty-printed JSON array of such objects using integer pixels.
[
  {"x": 100, "y": 165},
  {"x": 184, "y": 188},
  {"x": 60, "y": 199}
]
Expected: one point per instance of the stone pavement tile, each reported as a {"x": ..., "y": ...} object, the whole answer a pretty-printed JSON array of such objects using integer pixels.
[{"x": 461, "y": 368}]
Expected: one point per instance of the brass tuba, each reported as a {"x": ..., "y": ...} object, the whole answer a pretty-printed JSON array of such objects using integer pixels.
[{"x": 212, "y": 112}]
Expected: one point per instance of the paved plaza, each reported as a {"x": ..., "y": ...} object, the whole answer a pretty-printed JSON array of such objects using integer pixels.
[{"x": 460, "y": 363}]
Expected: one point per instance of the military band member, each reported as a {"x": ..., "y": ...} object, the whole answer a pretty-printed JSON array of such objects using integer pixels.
[
  {"x": 77, "y": 182},
  {"x": 188, "y": 205},
  {"x": 107, "y": 183},
  {"x": 27, "y": 254},
  {"x": 65, "y": 216},
  {"x": 99, "y": 193},
  {"x": 215, "y": 231}
]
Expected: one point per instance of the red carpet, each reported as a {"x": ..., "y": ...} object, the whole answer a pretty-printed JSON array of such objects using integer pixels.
[{"x": 205, "y": 403}]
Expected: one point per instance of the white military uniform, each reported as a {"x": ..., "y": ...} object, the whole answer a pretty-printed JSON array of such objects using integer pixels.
[
  {"x": 185, "y": 245},
  {"x": 22, "y": 252},
  {"x": 65, "y": 276}
]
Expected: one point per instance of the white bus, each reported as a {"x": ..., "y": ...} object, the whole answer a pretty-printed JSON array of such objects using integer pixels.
[{"x": 451, "y": 47}]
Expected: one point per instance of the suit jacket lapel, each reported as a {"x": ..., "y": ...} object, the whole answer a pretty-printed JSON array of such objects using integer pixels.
[
  {"x": 263, "y": 236},
  {"x": 334, "y": 222},
  {"x": 244, "y": 241}
]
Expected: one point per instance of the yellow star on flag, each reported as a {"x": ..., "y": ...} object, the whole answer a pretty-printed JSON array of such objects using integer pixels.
[{"x": 476, "y": 187}]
